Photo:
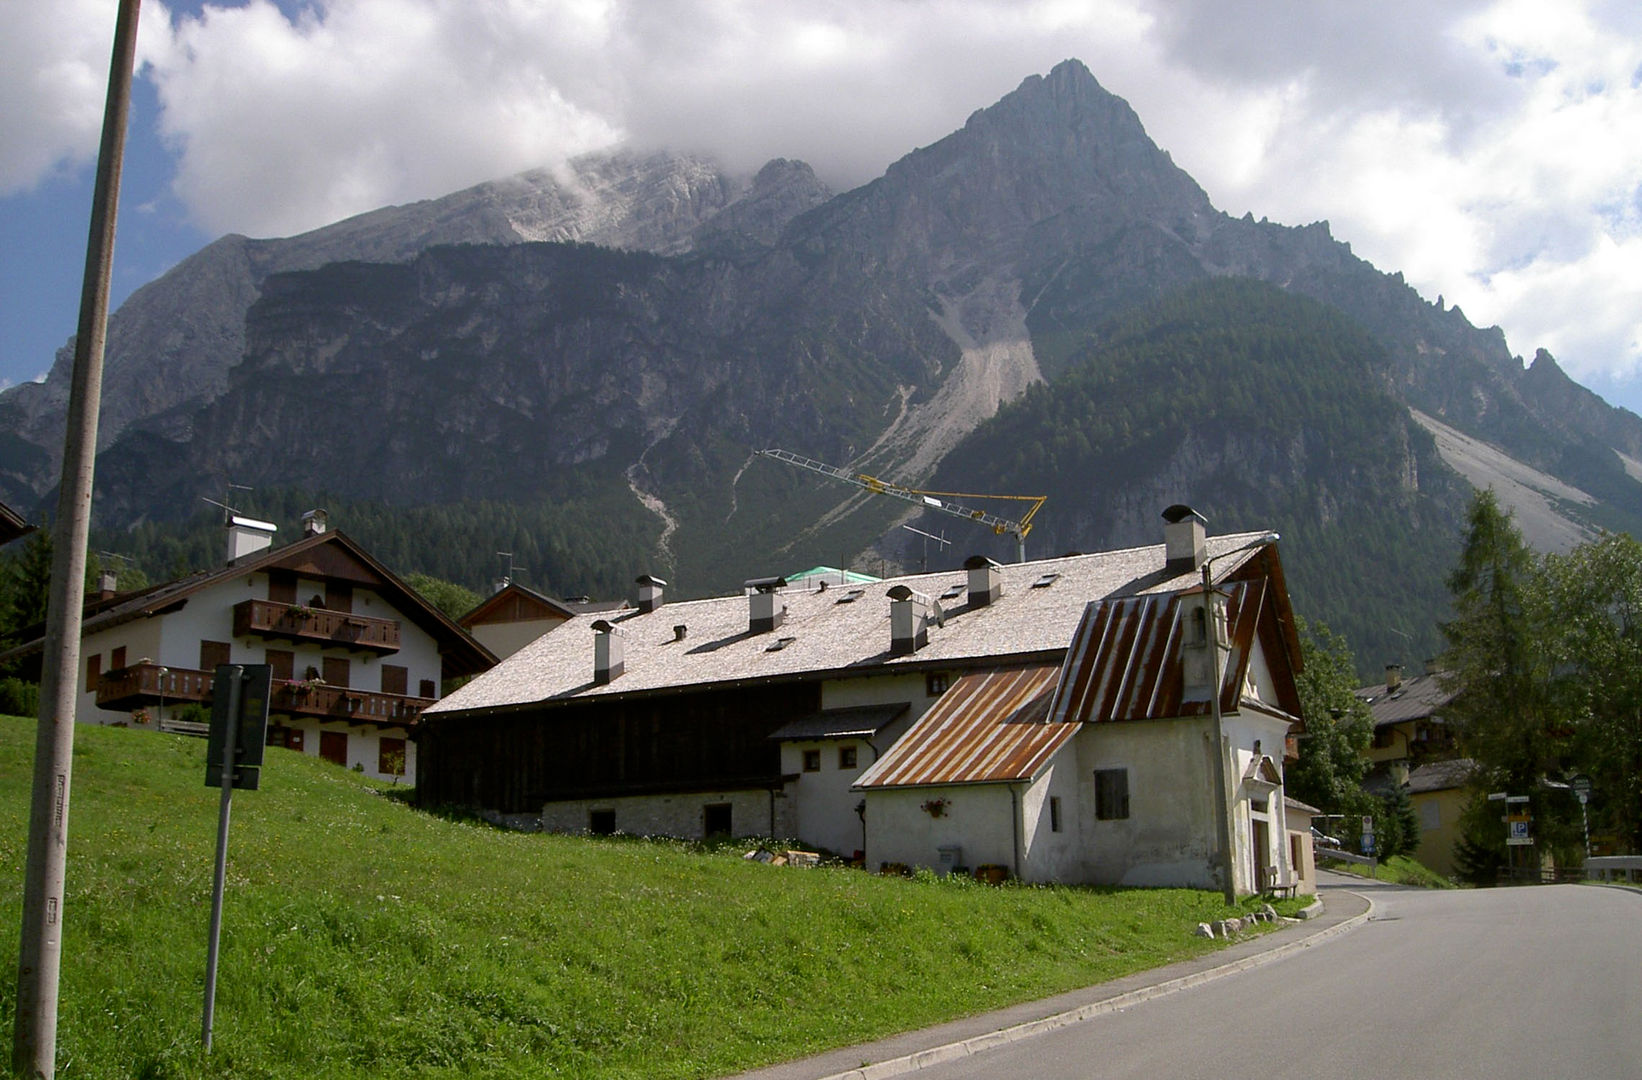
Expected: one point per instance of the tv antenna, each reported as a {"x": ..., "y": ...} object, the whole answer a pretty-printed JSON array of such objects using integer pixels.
[
  {"x": 228, "y": 509},
  {"x": 507, "y": 575},
  {"x": 941, "y": 540}
]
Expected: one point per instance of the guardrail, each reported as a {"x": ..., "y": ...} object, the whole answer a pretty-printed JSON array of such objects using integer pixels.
[
  {"x": 1345, "y": 856},
  {"x": 1626, "y": 868}
]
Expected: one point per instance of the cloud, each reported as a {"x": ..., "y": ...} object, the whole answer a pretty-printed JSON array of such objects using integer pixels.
[
  {"x": 1489, "y": 149},
  {"x": 54, "y": 62}
]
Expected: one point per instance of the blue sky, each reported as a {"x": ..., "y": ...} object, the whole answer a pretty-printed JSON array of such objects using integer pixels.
[{"x": 1491, "y": 150}]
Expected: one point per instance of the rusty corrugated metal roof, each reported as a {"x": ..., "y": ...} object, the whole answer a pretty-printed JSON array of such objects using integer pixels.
[
  {"x": 1124, "y": 663},
  {"x": 987, "y": 728}
]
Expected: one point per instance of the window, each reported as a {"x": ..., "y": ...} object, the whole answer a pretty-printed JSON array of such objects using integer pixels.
[
  {"x": 1111, "y": 794},
  {"x": 116, "y": 659},
  {"x": 94, "y": 670},
  {"x": 333, "y": 747},
  {"x": 1054, "y": 813},
  {"x": 935, "y": 684},
  {"x": 715, "y": 820},
  {"x": 390, "y": 756},
  {"x": 281, "y": 587},
  {"x": 395, "y": 679},
  {"x": 846, "y": 757},
  {"x": 427, "y": 689},
  {"x": 281, "y": 663},
  {"x": 601, "y": 822},
  {"x": 336, "y": 670},
  {"x": 812, "y": 761},
  {"x": 213, "y": 653}
]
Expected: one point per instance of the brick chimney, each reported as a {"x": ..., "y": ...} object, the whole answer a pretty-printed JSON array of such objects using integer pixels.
[
  {"x": 649, "y": 596},
  {"x": 765, "y": 611},
  {"x": 608, "y": 653},
  {"x": 1184, "y": 538},
  {"x": 1393, "y": 676},
  {"x": 908, "y": 620},
  {"x": 985, "y": 581}
]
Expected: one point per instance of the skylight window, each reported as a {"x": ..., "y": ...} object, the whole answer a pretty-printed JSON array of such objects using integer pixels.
[
  {"x": 1045, "y": 581},
  {"x": 954, "y": 591},
  {"x": 779, "y": 643},
  {"x": 852, "y": 596}
]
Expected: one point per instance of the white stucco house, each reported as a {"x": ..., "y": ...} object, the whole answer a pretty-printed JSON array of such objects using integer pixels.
[
  {"x": 356, "y": 654},
  {"x": 990, "y": 715}
]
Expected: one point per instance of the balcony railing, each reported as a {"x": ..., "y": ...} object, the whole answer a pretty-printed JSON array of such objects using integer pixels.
[
  {"x": 151, "y": 684},
  {"x": 271, "y": 618},
  {"x": 144, "y": 684},
  {"x": 342, "y": 703}
]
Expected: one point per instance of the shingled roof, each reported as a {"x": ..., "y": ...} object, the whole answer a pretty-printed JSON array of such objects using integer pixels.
[
  {"x": 835, "y": 631},
  {"x": 1416, "y": 698}
]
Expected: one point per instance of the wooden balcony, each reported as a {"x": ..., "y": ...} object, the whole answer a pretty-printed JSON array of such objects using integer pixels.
[
  {"x": 341, "y": 703},
  {"x": 141, "y": 685},
  {"x": 269, "y": 618}
]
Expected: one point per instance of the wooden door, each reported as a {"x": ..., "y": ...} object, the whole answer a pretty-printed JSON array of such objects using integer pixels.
[{"x": 336, "y": 671}]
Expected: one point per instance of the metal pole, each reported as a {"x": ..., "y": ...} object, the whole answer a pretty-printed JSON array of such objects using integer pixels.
[
  {"x": 39, "y": 954},
  {"x": 1228, "y": 882},
  {"x": 230, "y": 751}
]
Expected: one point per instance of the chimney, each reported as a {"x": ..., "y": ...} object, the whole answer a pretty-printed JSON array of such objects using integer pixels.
[
  {"x": 108, "y": 583},
  {"x": 762, "y": 599},
  {"x": 649, "y": 592},
  {"x": 607, "y": 653},
  {"x": 1203, "y": 616},
  {"x": 985, "y": 581},
  {"x": 247, "y": 536},
  {"x": 908, "y": 622},
  {"x": 1393, "y": 676},
  {"x": 1183, "y": 538},
  {"x": 314, "y": 522}
]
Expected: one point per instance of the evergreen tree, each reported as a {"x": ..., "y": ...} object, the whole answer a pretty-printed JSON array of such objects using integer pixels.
[
  {"x": 1396, "y": 825},
  {"x": 1338, "y": 727}
]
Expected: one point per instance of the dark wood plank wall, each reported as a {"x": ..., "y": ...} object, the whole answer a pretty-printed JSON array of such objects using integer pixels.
[{"x": 514, "y": 763}]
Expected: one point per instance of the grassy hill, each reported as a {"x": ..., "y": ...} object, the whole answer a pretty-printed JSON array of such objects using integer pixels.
[{"x": 364, "y": 938}]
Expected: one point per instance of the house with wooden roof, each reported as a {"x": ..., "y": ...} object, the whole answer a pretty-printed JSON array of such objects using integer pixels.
[
  {"x": 1408, "y": 719},
  {"x": 815, "y": 712},
  {"x": 356, "y": 653},
  {"x": 515, "y": 615}
]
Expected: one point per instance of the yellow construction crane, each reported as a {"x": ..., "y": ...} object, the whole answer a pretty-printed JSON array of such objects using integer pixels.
[{"x": 932, "y": 500}]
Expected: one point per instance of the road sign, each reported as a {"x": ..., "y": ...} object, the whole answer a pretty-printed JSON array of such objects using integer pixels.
[
  {"x": 1519, "y": 832},
  {"x": 239, "y": 723}
]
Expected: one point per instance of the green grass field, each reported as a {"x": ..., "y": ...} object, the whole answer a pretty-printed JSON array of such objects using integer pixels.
[
  {"x": 1398, "y": 870},
  {"x": 362, "y": 937}
]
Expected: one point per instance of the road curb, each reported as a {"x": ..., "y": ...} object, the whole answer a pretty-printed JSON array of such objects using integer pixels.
[{"x": 937, "y": 1055}]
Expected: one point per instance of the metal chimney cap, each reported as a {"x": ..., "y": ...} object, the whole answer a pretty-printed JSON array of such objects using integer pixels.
[
  {"x": 1179, "y": 512},
  {"x": 648, "y": 579},
  {"x": 981, "y": 562},
  {"x": 765, "y": 584},
  {"x": 603, "y": 626}
]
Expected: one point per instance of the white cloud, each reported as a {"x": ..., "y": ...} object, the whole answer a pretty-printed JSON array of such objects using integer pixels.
[
  {"x": 1490, "y": 149},
  {"x": 54, "y": 61}
]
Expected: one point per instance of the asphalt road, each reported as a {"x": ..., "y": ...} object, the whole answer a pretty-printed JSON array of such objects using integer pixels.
[{"x": 1495, "y": 983}]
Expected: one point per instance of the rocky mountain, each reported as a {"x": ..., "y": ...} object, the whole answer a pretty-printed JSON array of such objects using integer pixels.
[
  {"x": 172, "y": 344},
  {"x": 1047, "y": 243}
]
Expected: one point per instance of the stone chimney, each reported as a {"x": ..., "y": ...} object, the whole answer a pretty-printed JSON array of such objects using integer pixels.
[
  {"x": 908, "y": 620},
  {"x": 608, "y": 653},
  {"x": 1393, "y": 676},
  {"x": 649, "y": 592},
  {"x": 314, "y": 522},
  {"x": 247, "y": 536},
  {"x": 985, "y": 581},
  {"x": 1184, "y": 538},
  {"x": 765, "y": 611}
]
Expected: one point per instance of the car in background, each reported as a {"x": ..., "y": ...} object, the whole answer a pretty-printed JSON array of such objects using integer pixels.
[{"x": 1322, "y": 839}]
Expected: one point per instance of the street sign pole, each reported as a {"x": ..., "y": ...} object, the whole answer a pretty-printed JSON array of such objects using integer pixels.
[{"x": 233, "y": 758}]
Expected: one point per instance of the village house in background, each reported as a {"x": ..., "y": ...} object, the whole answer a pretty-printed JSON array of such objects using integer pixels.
[
  {"x": 1414, "y": 748},
  {"x": 356, "y": 654},
  {"x": 514, "y": 616},
  {"x": 1051, "y": 719}
]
